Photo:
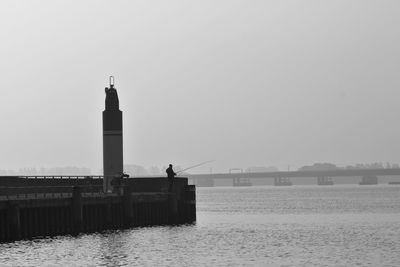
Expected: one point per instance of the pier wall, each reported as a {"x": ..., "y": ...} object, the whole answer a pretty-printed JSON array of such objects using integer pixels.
[{"x": 35, "y": 211}]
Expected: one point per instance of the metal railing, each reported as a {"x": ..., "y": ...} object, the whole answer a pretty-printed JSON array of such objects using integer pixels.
[
  {"x": 61, "y": 177},
  {"x": 34, "y": 192}
]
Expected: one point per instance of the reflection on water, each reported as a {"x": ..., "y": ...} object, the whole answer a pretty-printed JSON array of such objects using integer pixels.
[{"x": 254, "y": 226}]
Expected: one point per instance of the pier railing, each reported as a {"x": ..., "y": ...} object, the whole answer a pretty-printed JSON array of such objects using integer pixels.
[
  {"x": 8, "y": 193},
  {"x": 61, "y": 177}
]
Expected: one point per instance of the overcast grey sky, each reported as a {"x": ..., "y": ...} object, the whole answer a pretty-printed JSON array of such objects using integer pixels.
[{"x": 246, "y": 83}]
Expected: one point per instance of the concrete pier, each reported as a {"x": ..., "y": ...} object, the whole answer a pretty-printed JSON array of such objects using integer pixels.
[{"x": 34, "y": 211}]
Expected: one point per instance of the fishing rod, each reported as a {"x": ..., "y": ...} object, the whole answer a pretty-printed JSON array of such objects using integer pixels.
[{"x": 194, "y": 166}]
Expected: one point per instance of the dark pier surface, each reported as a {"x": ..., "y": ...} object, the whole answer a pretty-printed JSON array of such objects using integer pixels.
[{"x": 47, "y": 206}]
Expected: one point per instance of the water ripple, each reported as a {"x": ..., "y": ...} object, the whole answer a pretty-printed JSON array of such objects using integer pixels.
[{"x": 260, "y": 226}]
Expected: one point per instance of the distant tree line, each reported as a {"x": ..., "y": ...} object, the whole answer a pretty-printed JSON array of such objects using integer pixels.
[
  {"x": 68, "y": 170},
  {"x": 138, "y": 171}
]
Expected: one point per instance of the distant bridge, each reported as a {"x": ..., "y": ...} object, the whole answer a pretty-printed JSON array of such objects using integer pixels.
[{"x": 369, "y": 176}]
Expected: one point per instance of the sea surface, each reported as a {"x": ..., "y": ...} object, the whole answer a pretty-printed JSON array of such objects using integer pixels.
[{"x": 337, "y": 225}]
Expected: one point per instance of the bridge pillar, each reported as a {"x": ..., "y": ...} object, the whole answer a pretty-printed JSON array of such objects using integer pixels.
[
  {"x": 241, "y": 181},
  {"x": 204, "y": 182},
  {"x": 282, "y": 181},
  {"x": 369, "y": 179},
  {"x": 324, "y": 180}
]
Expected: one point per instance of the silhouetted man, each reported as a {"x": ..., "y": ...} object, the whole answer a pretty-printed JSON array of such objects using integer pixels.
[{"x": 170, "y": 174}]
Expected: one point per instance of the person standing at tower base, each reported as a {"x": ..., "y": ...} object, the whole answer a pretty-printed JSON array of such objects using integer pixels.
[{"x": 170, "y": 176}]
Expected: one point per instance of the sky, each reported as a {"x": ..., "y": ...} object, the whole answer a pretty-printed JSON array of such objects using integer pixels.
[{"x": 243, "y": 83}]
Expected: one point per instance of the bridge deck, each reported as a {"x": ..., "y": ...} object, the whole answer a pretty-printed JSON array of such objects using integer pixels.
[{"x": 301, "y": 174}]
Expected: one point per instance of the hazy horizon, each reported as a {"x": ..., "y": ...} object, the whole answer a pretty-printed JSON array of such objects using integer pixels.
[{"x": 260, "y": 83}]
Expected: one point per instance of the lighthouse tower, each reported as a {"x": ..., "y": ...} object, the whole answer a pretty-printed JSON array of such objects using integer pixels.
[{"x": 112, "y": 138}]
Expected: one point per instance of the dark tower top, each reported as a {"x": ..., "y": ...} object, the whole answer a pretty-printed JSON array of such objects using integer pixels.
[
  {"x": 112, "y": 102},
  {"x": 112, "y": 116}
]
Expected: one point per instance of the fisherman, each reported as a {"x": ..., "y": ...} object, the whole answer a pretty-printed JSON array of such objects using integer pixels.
[{"x": 170, "y": 175}]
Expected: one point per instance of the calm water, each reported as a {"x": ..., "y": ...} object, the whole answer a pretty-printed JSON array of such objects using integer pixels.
[{"x": 254, "y": 226}]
